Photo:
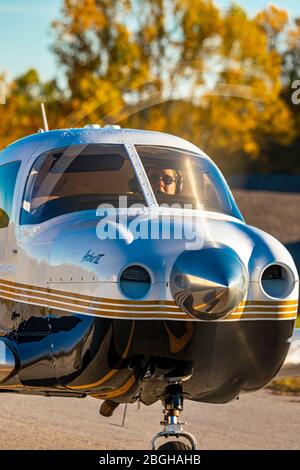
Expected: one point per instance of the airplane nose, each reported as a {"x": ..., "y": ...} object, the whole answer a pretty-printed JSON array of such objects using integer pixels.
[{"x": 210, "y": 283}]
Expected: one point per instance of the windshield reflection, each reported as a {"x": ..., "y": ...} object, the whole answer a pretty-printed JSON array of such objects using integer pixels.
[{"x": 186, "y": 179}]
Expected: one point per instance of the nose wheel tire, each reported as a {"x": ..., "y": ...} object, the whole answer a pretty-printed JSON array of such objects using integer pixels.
[{"x": 174, "y": 445}]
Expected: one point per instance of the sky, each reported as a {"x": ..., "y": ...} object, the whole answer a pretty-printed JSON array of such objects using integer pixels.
[{"x": 26, "y": 36}]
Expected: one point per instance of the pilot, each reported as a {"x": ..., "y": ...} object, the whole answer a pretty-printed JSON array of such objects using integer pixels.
[{"x": 165, "y": 180}]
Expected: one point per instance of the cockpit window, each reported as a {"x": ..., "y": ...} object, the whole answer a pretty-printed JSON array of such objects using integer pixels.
[
  {"x": 186, "y": 179},
  {"x": 79, "y": 178}
]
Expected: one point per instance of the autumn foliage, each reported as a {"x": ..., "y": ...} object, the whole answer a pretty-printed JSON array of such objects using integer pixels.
[{"x": 219, "y": 78}]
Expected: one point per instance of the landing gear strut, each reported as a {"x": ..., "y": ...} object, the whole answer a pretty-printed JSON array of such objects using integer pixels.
[{"x": 173, "y": 405}]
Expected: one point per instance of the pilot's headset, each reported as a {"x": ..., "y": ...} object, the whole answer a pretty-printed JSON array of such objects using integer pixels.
[
  {"x": 179, "y": 182},
  {"x": 134, "y": 184}
]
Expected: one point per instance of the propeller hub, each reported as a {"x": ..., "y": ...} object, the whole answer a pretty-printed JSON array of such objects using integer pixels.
[{"x": 210, "y": 283}]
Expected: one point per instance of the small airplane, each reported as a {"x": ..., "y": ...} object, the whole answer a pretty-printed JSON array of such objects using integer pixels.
[{"x": 128, "y": 274}]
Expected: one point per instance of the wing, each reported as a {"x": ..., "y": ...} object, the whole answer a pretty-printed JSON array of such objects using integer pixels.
[{"x": 291, "y": 365}]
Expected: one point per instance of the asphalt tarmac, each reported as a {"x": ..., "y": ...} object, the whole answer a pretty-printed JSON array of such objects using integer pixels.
[{"x": 259, "y": 420}]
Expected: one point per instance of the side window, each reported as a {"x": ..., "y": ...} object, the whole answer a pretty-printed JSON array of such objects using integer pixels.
[{"x": 8, "y": 176}]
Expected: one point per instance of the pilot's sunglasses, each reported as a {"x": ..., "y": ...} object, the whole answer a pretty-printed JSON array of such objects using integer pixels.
[{"x": 167, "y": 180}]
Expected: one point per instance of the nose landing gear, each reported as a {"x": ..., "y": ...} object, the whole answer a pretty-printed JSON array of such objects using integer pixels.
[{"x": 173, "y": 405}]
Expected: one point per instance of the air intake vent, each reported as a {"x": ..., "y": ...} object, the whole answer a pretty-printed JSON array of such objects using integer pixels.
[
  {"x": 135, "y": 282},
  {"x": 135, "y": 274},
  {"x": 277, "y": 281},
  {"x": 272, "y": 272}
]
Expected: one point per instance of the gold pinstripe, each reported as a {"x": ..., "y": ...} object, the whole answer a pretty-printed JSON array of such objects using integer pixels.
[
  {"x": 150, "y": 309},
  {"x": 269, "y": 302},
  {"x": 90, "y": 304},
  {"x": 50, "y": 291}
]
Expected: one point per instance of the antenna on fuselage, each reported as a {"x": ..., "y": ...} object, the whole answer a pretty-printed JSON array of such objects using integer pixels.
[{"x": 44, "y": 115}]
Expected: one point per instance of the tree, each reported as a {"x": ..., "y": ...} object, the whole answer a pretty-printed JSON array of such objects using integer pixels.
[
  {"x": 290, "y": 78},
  {"x": 119, "y": 53},
  {"x": 127, "y": 61},
  {"x": 244, "y": 114},
  {"x": 21, "y": 115},
  {"x": 273, "y": 21},
  {"x": 180, "y": 66}
]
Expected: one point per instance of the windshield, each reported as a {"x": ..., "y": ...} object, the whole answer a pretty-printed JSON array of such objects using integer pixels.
[
  {"x": 186, "y": 179},
  {"x": 78, "y": 178}
]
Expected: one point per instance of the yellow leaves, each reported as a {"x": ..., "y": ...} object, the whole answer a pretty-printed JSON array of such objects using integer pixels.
[
  {"x": 123, "y": 58},
  {"x": 101, "y": 97},
  {"x": 293, "y": 39},
  {"x": 149, "y": 33},
  {"x": 21, "y": 115},
  {"x": 157, "y": 121},
  {"x": 251, "y": 147},
  {"x": 86, "y": 14},
  {"x": 232, "y": 123},
  {"x": 200, "y": 21},
  {"x": 242, "y": 38},
  {"x": 247, "y": 108},
  {"x": 273, "y": 19},
  {"x": 277, "y": 121}
]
